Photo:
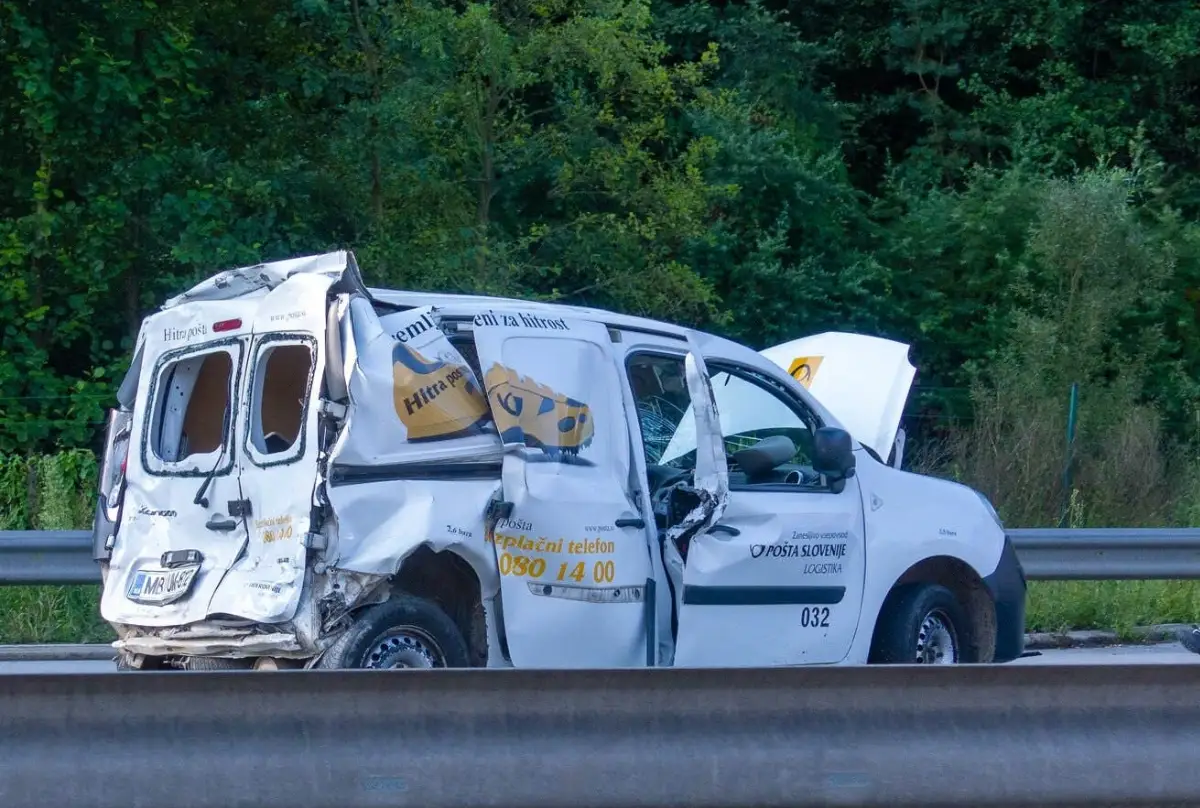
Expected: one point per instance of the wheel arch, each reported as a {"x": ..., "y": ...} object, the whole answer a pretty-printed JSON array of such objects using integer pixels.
[
  {"x": 449, "y": 580},
  {"x": 969, "y": 589}
]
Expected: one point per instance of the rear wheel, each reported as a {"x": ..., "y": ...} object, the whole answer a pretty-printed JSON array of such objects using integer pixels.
[
  {"x": 922, "y": 624},
  {"x": 403, "y": 632}
]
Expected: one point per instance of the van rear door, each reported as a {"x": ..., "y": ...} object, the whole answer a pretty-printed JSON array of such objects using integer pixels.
[
  {"x": 278, "y": 447},
  {"x": 221, "y": 470},
  {"x": 175, "y": 539}
]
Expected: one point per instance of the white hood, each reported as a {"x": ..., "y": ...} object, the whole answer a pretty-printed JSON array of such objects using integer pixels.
[{"x": 864, "y": 381}]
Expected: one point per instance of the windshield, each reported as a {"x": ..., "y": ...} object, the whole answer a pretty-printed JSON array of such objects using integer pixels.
[{"x": 749, "y": 411}]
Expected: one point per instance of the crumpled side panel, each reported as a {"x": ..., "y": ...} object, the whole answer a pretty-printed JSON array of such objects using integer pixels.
[
  {"x": 380, "y": 523},
  {"x": 710, "y": 482},
  {"x": 418, "y": 457},
  {"x": 414, "y": 398}
]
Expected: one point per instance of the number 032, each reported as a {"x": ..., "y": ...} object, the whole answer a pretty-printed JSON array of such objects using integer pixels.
[{"x": 814, "y": 617}]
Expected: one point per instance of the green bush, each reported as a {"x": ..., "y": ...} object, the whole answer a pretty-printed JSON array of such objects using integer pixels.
[{"x": 50, "y": 492}]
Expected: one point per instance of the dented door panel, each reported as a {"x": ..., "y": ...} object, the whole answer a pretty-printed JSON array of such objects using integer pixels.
[{"x": 417, "y": 459}]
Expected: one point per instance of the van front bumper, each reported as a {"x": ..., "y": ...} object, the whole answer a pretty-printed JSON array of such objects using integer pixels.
[{"x": 1007, "y": 587}]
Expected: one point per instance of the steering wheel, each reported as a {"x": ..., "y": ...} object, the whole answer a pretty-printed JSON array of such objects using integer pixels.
[
  {"x": 663, "y": 477},
  {"x": 660, "y": 479}
]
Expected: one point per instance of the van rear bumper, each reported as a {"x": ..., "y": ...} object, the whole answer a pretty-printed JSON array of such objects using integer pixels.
[
  {"x": 277, "y": 644},
  {"x": 1007, "y": 587}
]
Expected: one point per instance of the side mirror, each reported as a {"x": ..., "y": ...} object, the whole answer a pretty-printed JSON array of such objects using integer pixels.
[{"x": 833, "y": 455}]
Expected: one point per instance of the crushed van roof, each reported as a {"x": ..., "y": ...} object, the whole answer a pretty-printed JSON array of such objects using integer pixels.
[{"x": 417, "y": 299}]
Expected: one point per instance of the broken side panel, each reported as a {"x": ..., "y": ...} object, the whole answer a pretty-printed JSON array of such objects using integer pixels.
[
  {"x": 707, "y": 494},
  {"x": 699, "y": 437},
  {"x": 417, "y": 459},
  {"x": 413, "y": 397},
  {"x": 571, "y": 547},
  {"x": 712, "y": 470}
]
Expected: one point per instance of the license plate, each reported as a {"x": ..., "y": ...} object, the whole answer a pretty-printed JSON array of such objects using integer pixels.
[{"x": 159, "y": 586}]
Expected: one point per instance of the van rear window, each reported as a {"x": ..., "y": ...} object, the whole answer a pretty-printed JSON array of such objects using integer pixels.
[
  {"x": 282, "y": 379},
  {"x": 191, "y": 409}
]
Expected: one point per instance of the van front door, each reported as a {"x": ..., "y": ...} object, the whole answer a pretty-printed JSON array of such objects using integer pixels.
[
  {"x": 281, "y": 391},
  {"x": 778, "y": 580},
  {"x": 571, "y": 546}
]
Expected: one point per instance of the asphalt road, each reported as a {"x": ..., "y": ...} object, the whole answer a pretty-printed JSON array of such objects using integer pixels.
[
  {"x": 57, "y": 666},
  {"x": 1164, "y": 654}
]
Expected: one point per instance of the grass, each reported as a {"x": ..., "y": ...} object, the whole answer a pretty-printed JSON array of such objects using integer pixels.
[
  {"x": 1110, "y": 605},
  {"x": 52, "y": 614}
]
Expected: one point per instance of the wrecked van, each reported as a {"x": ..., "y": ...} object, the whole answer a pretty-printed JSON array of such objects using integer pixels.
[{"x": 301, "y": 471}]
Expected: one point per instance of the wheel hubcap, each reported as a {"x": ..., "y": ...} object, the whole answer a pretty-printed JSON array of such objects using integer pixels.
[
  {"x": 404, "y": 648},
  {"x": 936, "y": 641}
]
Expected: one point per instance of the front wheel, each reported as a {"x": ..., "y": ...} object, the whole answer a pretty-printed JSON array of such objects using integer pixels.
[
  {"x": 402, "y": 632},
  {"x": 921, "y": 624}
]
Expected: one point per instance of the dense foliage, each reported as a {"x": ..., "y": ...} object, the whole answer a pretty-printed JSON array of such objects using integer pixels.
[{"x": 1011, "y": 187}]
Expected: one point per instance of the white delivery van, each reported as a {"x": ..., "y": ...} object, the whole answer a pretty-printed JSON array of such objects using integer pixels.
[{"x": 302, "y": 471}]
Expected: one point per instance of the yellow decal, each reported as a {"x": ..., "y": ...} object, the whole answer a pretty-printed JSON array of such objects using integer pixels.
[
  {"x": 274, "y": 528},
  {"x": 532, "y": 414},
  {"x": 804, "y": 369},
  {"x": 435, "y": 400},
  {"x": 518, "y": 564},
  {"x": 507, "y": 541}
]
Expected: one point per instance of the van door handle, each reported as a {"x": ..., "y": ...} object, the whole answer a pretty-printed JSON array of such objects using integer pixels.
[
  {"x": 732, "y": 531},
  {"x": 218, "y": 522},
  {"x": 635, "y": 521}
]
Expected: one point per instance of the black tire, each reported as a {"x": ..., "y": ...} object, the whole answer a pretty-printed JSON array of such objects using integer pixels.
[
  {"x": 899, "y": 639},
  {"x": 402, "y": 629}
]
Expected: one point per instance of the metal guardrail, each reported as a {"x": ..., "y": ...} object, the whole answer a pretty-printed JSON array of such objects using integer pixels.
[
  {"x": 899, "y": 736},
  {"x": 1047, "y": 554},
  {"x": 1082, "y": 554},
  {"x": 47, "y": 557}
]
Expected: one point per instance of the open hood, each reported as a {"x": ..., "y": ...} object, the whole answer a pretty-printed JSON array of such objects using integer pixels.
[{"x": 863, "y": 381}]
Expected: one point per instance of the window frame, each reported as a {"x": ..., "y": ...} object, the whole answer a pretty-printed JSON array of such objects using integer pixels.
[
  {"x": 752, "y": 376},
  {"x": 630, "y": 357},
  {"x": 155, "y": 410},
  {"x": 299, "y": 449},
  {"x": 789, "y": 399}
]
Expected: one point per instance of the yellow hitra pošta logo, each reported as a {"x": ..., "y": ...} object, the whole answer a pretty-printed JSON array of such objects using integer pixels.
[
  {"x": 435, "y": 400},
  {"x": 804, "y": 369},
  {"x": 533, "y": 414}
]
